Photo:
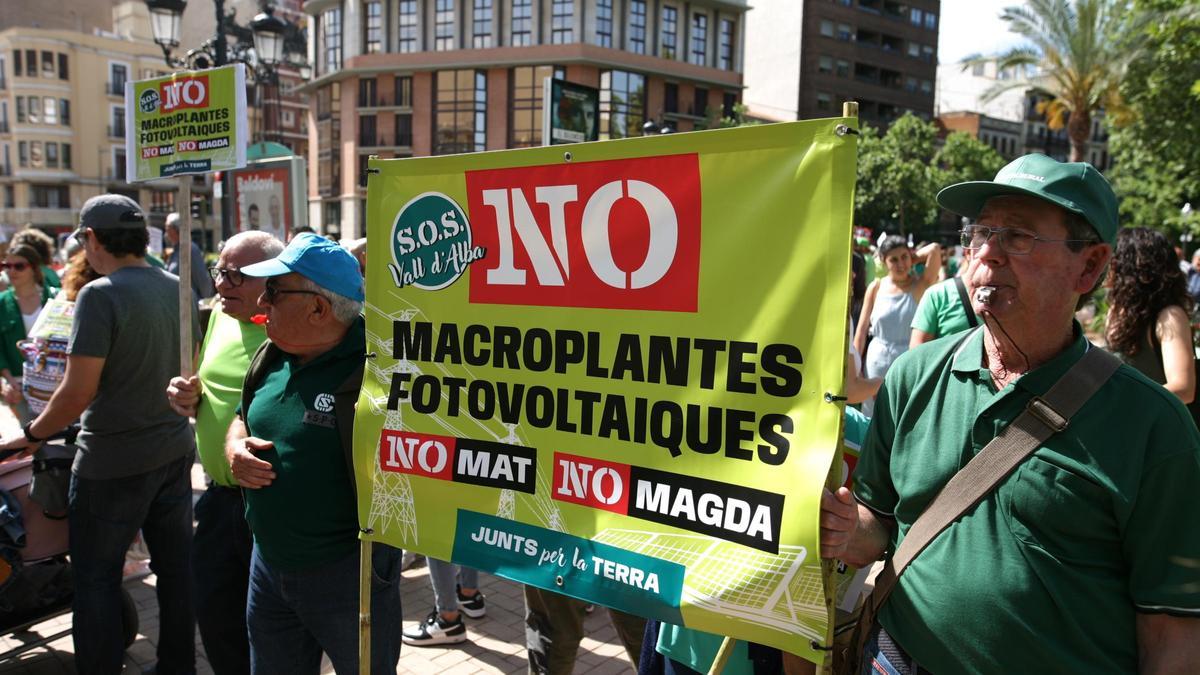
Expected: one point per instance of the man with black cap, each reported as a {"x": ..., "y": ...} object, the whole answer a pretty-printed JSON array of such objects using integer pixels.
[
  {"x": 133, "y": 467},
  {"x": 290, "y": 447},
  {"x": 1084, "y": 557}
]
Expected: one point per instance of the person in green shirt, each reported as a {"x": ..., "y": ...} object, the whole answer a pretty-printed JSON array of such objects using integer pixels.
[
  {"x": 1084, "y": 558},
  {"x": 290, "y": 449},
  {"x": 945, "y": 309},
  {"x": 222, "y": 542}
]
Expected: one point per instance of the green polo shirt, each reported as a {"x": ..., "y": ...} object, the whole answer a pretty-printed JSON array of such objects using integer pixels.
[
  {"x": 307, "y": 516},
  {"x": 941, "y": 312},
  {"x": 224, "y": 359},
  {"x": 1049, "y": 571}
]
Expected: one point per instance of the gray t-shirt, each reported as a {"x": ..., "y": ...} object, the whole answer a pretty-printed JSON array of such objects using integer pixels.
[{"x": 130, "y": 318}]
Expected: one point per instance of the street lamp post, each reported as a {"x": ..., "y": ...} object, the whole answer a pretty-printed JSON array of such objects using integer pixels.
[{"x": 266, "y": 44}]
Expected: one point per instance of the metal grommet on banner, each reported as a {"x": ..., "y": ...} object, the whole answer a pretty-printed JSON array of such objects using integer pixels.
[
  {"x": 830, "y": 398},
  {"x": 373, "y": 171},
  {"x": 843, "y": 129},
  {"x": 816, "y": 646},
  {"x": 366, "y": 530},
  {"x": 558, "y": 581},
  {"x": 372, "y": 355},
  {"x": 567, "y": 157}
]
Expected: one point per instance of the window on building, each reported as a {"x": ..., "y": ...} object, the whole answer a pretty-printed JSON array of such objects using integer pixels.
[
  {"x": 3, "y": 73},
  {"x": 443, "y": 26},
  {"x": 117, "y": 117},
  {"x": 914, "y": 50},
  {"x": 728, "y": 102},
  {"x": 16, "y": 63},
  {"x": 64, "y": 111},
  {"x": 63, "y": 71},
  {"x": 826, "y": 28},
  {"x": 622, "y": 103},
  {"x": 408, "y": 26},
  {"x": 367, "y": 137},
  {"x": 915, "y": 15},
  {"x": 3, "y": 116},
  {"x": 700, "y": 102},
  {"x": 372, "y": 26},
  {"x": 51, "y": 155},
  {"x": 725, "y": 48},
  {"x": 699, "y": 39},
  {"x": 10, "y": 197},
  {"x": 845, "y": 32},
  {"x": 671, "y": 97},
  {"x": 926, "y": 53},
  {"x": 50, "y": 196},
  {"x": 22, "y": 153},
  {"x": 119, "y": 163},
  {"x": 637, "y": 26},
  {"x": 528, "y": 84},
  {"x": 825, "y": 64},
  {"x": 366, "y": 93},
  {"x": 48, "y": 69},
  {"x": 460, "y": 112},
  {"x": 481, "y": 22},
  {"x": 926, "y": 87},
  {"x": 931, "y": 20},
  {"x": 403, "y": 129},
  {"x": 118, "y": 73},
  {"x": 522, "y": 23},
  {"x": 331, "y": 31},
  {"x": 403, "y": 89},
  {"x": 66, "y": 155},
  {"x": 842, "y": 68},
  {"x": 50, "y": 110},
  {"x": 604, "y": 22},
  {"x": 21, "y": 110},
  {"x": 670, "y": 31},
  {"x": 562, "y": 22},
  {"x": 31, "y": 66},
  {"x": 287, "y": 119},
  {"x": 35, "y": 109},
  {"x": 824, "y": 101},
  {"x": 37, "y": 155}
]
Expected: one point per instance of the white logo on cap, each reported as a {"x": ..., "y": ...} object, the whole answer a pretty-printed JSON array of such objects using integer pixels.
[{"x": 1030, "y": 176}]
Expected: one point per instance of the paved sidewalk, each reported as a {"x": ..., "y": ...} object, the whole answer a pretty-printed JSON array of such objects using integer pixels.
[{"x": 496, "y": 645}]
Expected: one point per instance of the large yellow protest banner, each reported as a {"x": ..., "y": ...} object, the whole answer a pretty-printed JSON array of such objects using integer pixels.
[{"x": 609, "y": 369}]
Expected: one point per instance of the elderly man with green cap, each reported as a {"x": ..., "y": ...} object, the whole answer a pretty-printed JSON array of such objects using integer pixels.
[
  {"x": 1085, "y": 556},
  {"x": 290, "y": 448}
]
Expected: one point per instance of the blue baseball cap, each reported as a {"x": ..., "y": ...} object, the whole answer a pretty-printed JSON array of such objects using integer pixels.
[{"x": 317, "y": 259}]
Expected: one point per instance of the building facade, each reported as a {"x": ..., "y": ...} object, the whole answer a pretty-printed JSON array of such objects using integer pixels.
[
  {"x": 62, "y": 119},
  {"x": 805, "y": 57},
  {"x": 403, "y": 78}
]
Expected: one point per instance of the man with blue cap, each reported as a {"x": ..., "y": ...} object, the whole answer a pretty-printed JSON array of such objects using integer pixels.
[
  {"x": 291, "y": 449},
  {"x": 1081, "y": 555}
]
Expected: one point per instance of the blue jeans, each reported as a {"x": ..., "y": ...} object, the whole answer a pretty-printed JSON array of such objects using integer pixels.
[
  {"x": 104, "y": 517},
  {"x": 221, "y": 562},
  {"x": 443, "y": 576},
  {"x": 293, "y": 616}
]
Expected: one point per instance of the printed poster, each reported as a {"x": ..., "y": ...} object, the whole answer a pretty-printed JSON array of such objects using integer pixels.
[
  {"x": 605, "y": 372},
  {"x": 186, "y": 123},
  {"x": 263, "y": 200}
]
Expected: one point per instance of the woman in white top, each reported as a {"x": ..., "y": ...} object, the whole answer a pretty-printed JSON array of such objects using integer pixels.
[{"x": 890, "y": 304}]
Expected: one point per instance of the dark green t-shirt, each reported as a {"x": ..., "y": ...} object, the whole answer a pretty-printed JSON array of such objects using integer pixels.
[
  {"x": 1049, "y": 571},
  {"x": 307, "y": 516}
]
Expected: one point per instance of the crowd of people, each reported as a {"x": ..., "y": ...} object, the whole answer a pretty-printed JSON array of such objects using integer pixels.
[{"x": 1085, "y": 553}]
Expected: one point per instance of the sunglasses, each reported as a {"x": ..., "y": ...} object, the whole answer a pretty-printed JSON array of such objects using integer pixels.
[
  {"x": 234, "y": 277},
  {"x": 270, "y": 291},
  {"x": 16, "y": 267}
]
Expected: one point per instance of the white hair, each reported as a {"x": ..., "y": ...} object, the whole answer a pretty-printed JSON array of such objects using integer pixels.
[
  {"x": 345, "y": 310},
  {"x": 265, "y": 242}
]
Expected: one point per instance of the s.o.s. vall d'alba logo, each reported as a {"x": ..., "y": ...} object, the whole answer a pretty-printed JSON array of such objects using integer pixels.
[{"x": 619, "y": 234}]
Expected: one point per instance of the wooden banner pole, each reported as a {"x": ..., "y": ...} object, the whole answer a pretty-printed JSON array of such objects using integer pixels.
[
  {"x": 183, "y": 253},
  {"x": 364, "y": 608}
]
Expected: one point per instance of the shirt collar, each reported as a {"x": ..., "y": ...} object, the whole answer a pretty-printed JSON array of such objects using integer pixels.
[{"x": 968, "y": 359}]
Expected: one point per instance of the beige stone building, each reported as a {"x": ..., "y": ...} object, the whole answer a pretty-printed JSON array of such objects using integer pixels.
[{"x": 62, "y": 116}]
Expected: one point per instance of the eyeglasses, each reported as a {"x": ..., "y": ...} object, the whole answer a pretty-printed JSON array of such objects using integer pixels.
[
  {"x": 1012, "y": 240},
  {"x": 270, "y": 291},
  {"x": 16, "y": 267},
  {"x": 234, "y": 277},
  {"x": 80, "y": 235}
]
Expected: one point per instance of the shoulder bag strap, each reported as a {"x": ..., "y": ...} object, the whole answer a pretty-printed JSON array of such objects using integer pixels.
[
  {"x": 972, "y": 320},
  {"x": 1043, "y": 417}
]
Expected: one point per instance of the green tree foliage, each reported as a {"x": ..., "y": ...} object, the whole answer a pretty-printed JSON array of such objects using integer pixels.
[
  {"x": 900, "y": 173},
  {"x": 1157, "y": 150},
  {"x": 964, "y": 158},
  {"x": 1082, "y": 49}
]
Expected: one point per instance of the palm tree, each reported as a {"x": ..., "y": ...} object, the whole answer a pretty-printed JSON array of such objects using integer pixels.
[{"x": 1080, "y": 49}]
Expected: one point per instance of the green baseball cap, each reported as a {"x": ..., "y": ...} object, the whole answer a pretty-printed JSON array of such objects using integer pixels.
[{"x": 1075, "y": 186}]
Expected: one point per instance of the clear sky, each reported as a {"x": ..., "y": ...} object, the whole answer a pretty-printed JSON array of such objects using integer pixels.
[{"x": 973, "y": 27}]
